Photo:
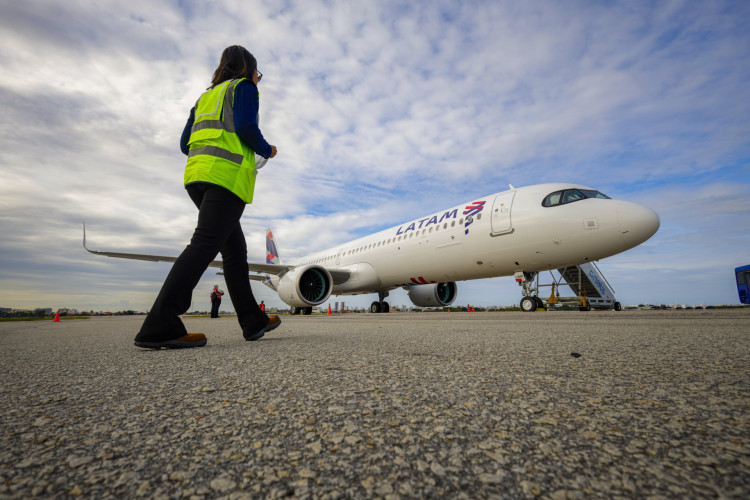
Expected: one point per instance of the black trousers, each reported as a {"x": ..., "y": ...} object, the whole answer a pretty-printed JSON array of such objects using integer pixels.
[
  {"x": 218, "y": 230},
  {"x": 215, "y": 305}
]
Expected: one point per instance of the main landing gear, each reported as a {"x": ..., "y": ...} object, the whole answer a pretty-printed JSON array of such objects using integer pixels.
[
  {"x": 380, "y": 305},
  {"x": 302, "y": 310}
]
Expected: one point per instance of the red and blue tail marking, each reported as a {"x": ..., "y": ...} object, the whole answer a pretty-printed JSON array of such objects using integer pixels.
[
  {"x": 272, "y": 253},
  {"x": 272, "y": 256}
]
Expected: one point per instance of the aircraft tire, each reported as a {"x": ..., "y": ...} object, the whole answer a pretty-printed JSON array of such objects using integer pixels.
[
  {"x": 297, "y": 310},
  {"x": 618, "y": 306},
  {"x": 540, "y": 303},
  {"x": 385, "y": 307},
  {"x": 307, "y": 311},
  {"x": 528, "y": 304},
  {"x": 375, "y": 307}
]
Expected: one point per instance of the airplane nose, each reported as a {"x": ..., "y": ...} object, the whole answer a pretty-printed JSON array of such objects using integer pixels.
[{"x": 637, "y": 223}]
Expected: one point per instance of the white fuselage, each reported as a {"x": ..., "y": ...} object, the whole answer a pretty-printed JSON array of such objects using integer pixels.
[{"x": 496, "y": 235}]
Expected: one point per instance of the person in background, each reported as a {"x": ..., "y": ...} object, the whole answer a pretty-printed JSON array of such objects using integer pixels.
[
  {"x": 221, "y": 140},
  {"x": 216, "y": 301},
  {"x": 262, "y": 306}
]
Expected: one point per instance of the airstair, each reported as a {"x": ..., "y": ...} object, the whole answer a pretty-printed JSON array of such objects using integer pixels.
[{"x": 587, "y": 282}]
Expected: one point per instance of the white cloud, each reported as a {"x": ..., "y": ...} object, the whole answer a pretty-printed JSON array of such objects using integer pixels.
[{"x": 381, "y": 112}]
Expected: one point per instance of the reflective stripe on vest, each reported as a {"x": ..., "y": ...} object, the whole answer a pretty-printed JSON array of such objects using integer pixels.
[
  {"x": 218, "y": 152},
  {"x": 217, "y": 155},
  {"x": 210, "y": 124}
]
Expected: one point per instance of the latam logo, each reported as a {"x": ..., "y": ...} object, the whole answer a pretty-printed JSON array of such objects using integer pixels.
[{"x": 470, "y": 211}]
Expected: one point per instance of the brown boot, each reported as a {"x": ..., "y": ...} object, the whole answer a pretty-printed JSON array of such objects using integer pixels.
[
  {"x": 273, "y": 322},
  {"x": 189, "y": 340}
]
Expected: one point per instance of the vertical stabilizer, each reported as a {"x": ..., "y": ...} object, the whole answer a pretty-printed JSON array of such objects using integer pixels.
[
  {"x": 272, "y": 257},
  {"x": 272, "y": 253}
]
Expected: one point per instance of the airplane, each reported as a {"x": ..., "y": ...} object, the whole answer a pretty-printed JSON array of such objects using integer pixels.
[{"x": 521, "y": 230}]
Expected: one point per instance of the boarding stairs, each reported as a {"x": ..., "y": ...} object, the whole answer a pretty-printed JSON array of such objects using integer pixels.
[{"x": 587, "y": 282}]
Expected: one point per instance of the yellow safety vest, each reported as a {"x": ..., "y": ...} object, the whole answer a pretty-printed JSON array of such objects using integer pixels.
[{"x": 217, "y": 155}]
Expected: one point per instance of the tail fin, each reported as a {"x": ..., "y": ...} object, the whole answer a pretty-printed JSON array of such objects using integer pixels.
[{"x": 272, "y": 253}]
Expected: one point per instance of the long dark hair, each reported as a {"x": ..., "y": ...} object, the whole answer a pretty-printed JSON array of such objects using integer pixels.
[{"x": 236, "y": 62}]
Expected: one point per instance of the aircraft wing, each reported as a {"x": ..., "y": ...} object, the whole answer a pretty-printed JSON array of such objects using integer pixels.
[
  {"x": 252, "y": 266},
  {"x": 140, "y": 256},
  {"x": 338, "y": 275}
]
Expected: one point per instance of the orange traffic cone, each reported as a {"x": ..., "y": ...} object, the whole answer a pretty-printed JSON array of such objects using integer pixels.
[
  {"x": 329, "y": 308},
  {"x": 57, "y": 317}
]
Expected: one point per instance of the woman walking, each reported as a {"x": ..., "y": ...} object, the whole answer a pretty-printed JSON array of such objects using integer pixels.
[{"x": 221, "y": 139}]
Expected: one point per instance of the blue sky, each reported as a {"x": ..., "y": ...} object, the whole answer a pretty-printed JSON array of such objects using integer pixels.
[{"x": 382, "y": 112}]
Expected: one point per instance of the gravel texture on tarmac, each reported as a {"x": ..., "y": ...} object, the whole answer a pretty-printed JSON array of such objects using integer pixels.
[{"x": 421, "y": 405}]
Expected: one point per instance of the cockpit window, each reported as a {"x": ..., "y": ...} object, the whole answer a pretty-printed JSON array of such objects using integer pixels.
[
  {"x": 553, "y": 199},
  {"x": 590, "y": 193},
  {"x": 571, "y": 195}
]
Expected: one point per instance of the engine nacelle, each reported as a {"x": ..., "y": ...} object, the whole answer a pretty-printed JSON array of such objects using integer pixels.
[
  {"x": 305, "y": 286},
  {"x": 434, "y": 295}
]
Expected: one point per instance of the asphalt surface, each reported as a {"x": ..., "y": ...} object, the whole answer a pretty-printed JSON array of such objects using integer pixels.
[{"x": 398, "y": 405}]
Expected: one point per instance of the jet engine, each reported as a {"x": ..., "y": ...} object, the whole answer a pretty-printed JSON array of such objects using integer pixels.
[
  {"x": 435, "y": 295},
  {"x": 305, "y": 286}
]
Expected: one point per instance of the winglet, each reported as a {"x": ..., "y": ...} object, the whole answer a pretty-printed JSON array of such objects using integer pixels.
[
  {"x": 95, "y": 252},
  {"x": 84, "y": 237}
]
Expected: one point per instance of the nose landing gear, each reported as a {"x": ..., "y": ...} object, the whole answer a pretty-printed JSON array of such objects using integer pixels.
[{"x": 531, "y": 304}]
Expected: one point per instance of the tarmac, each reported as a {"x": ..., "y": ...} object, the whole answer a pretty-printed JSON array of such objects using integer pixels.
[{"x": 400, "y": 405}]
